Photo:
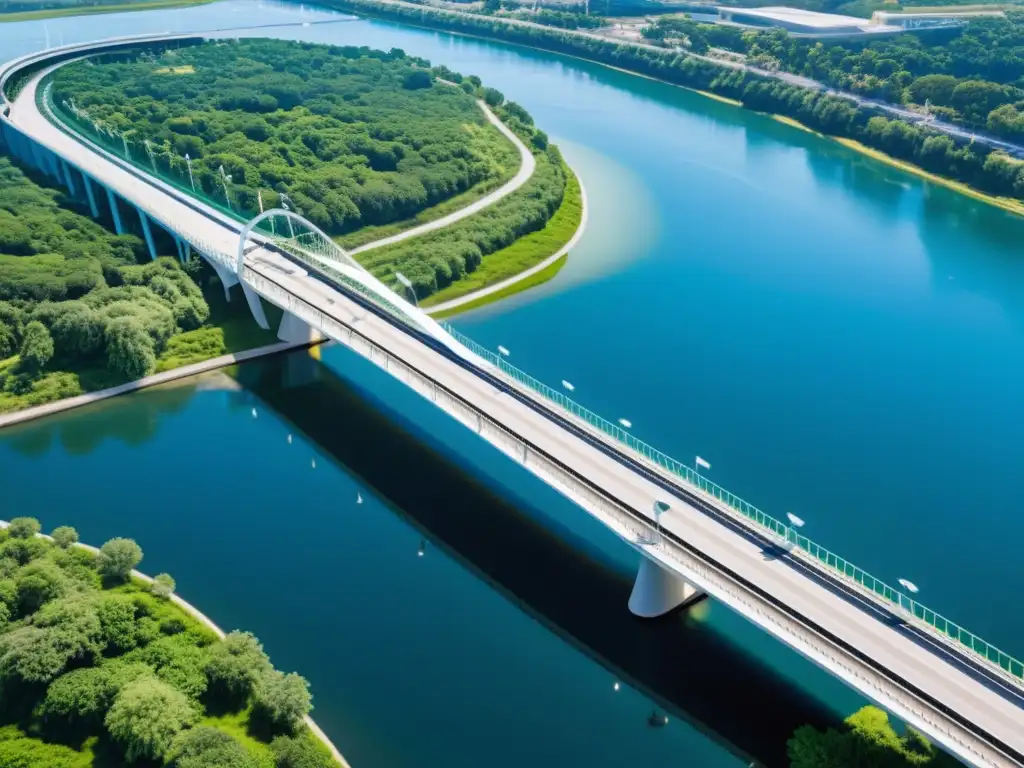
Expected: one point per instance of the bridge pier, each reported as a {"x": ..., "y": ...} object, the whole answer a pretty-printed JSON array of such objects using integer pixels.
[
  {"x": 296, "y": 331},
  {"x": 657, "y": 591},
  {"x": 253, "y": 300},
  {"x": 114, "y": 213},
  {"x": 68, "y": 181},
  {"x": 90, "y": 196},
  {"x": 148, "y": 233}
]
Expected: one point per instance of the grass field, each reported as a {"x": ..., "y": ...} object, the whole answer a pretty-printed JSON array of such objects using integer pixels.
[
  {"x": 524, "y": 253},
  {"x": 523, "y": 285}
]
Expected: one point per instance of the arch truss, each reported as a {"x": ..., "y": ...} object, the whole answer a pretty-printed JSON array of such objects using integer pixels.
[{"x": 306, "y": 243}]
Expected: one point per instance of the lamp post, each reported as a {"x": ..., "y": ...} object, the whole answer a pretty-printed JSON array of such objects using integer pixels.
[
  {"x": 795, "y": 523},
  {"x": 149, "y": 151},
  {"x": 408, "y": 284},
  {"x": 912, "y": 588},
  {"x": 284, "y": 204},
  {"x": 225, "y": 180},
  {"x": 660, "y": 507},
  {"x": 188, "y": 163}
]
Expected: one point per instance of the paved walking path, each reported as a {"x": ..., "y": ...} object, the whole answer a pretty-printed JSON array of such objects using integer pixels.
[{"x": 527, "y": 165}]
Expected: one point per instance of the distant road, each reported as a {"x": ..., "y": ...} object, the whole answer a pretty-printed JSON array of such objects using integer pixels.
[{"x": 890, "y": 109}]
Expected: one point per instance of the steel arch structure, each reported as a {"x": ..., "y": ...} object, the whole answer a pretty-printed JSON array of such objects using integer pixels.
[{"x": 304, "y": 241}]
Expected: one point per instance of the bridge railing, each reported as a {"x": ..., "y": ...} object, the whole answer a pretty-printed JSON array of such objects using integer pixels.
[
  {"x": 815, "y": 553},
  {"x": 153, "y": 160}
]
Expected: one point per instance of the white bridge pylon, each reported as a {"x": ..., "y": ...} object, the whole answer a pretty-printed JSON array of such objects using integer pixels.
[{"x": 305, "y": 241}]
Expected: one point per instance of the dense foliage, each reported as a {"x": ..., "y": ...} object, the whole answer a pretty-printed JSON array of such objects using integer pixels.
[
  {"x": 352, "y": 136},
  {"x": 435, "y": 260},
  {"x": 973, "y": 76},
  {"x": 93, "y": 662},
  {"x": 77, "y": 310},
  {"x": 975, "y": 164},
  {"x": 868, "y": 739}
]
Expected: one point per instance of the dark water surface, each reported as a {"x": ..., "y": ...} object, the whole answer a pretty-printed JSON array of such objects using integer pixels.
[{"x": 839, "y": 339}]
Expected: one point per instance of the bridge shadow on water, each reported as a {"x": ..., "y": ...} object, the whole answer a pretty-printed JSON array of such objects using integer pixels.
[{"x": 693, "y": 672}]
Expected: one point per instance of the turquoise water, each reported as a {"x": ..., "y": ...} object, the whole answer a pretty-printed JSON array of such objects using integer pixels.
[{"x": 837, "y": 338}]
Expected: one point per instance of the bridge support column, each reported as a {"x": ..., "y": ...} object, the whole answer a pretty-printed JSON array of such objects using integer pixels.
[
  {"x": 657, "y": 591},
  {"x": 296, "y": 331},
  {"x": 90, "y": 196},
  {"x": 68, "y": 181},
  {"x": 115, "y": 214},
  {"x": 148, "y": 233},
  {"x": 39, "y": 158},
  {"x": 253, "y": 299}
]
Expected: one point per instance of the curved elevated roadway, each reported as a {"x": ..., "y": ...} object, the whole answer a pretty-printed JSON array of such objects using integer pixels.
[{"x": 970, "y": 706}]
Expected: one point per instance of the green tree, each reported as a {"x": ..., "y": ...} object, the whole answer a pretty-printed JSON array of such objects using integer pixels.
[
  {"x": 8, "y": 341},
  {"x": 38, "y": 582},
  {"x": 493, "y": 97},
  {"x": 36, "y": 347},
  {"x": 417, "y": 79},
  {"x": 31, "y": 655},
  {"x": 868, "y": 739},
  {"x": 23, "y": 527},
  {"x": 83, "y": 696},
  {"x": 163, "y": 585},
  {"x": 64, "y": 536},
  {"x": 117, "y": 559},
  {"x": 284, "y": 700},
  {"x": 117, "y": 619},
  {"x": 236, "y": 666},
  {"x": 300, "y": 752},
  {"x": 129, "y": 348},
  {"x": 146, "y": 716},
  {"x": 204, "y": 747}
]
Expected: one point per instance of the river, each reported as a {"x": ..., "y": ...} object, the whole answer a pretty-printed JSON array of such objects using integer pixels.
[{"x": 839, "y": 339}]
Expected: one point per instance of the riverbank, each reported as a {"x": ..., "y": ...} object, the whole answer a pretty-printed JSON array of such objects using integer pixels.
[
  {"x": 208, "y": 623},
  {"x": 504, "y": 276},
  {"x": 741, "y": 87},
  {"x": 1006, "y": 203},
  {"x": 59, "y": 406},
  {"x": 93, "y": 10}
]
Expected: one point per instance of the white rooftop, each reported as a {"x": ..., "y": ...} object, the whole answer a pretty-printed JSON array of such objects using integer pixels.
[{"x": 798, "y": 16}]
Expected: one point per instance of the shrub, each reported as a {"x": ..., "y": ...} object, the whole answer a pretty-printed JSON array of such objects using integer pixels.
[
  {"x": 36, "y": 347},
  {"x": 146, "y": 717},
  {"x": 283, "y": 700},
  {"x": 65, "y": 536},
  {"x": 23, "y": 527},
  {"x": 205, "y": 747},
  {"x": 117, "y": 559},
  {"x": 163, "y": 585}
]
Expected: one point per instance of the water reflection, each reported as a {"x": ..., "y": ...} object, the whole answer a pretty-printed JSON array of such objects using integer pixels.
[
  {"x": 82, "y": 431},
  {"x": 693, "y": 672}
]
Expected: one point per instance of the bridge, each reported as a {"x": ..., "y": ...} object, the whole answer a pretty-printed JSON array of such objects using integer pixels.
[{"x": 694, "y": 537}]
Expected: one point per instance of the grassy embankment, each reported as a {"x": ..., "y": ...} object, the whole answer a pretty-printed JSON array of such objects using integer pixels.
[
  {"x": 88, "y": 10},
  {"x": 524, "y": 253}
]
